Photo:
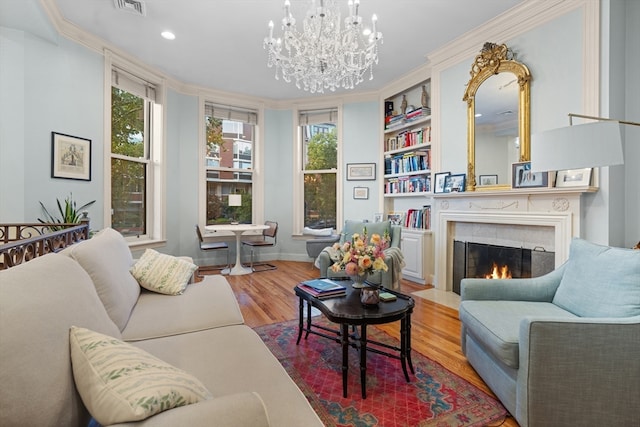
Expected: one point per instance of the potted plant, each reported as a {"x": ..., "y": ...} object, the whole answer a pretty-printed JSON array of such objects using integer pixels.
[{"x": 70, "y": 214}]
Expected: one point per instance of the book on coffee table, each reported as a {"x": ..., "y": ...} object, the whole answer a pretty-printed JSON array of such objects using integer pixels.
[{"x": 324, "y": 285}]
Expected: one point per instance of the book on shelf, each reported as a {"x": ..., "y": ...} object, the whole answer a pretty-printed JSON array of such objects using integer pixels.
[{"x": 418, "y": 218}]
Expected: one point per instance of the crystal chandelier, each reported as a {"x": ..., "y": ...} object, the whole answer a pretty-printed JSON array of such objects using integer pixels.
[{"x": 323, "y": 55}]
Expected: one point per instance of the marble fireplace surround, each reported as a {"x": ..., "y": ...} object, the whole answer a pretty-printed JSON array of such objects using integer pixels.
[{"x": 547, "y": 217}]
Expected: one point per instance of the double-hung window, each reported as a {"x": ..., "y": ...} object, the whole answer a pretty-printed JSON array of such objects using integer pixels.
[
  {"x": 230, "y": 138},
  {"x": 318, "y": 138},
  {"x": 135, "y": 157}
]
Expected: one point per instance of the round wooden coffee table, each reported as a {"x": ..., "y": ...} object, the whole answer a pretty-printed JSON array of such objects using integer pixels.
[{"x": 347, "y": 311}]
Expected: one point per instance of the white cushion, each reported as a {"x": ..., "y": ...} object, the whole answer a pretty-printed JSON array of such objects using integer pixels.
[
  {"x": 163, "y": 273},
  {"x": 120, "y": 383},
  {"x": 107, "y": 259},
  {"x": 323, "y": 232}
]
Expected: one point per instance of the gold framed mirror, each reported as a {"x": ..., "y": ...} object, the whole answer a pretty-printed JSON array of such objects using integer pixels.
[{"x": 498, "y": 112}]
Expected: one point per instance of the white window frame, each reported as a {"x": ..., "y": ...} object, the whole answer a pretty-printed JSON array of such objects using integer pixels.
[
  {"x": 257, "y": 183},
  {"x": 156, "y": 171},
  {"x": 298, "y": 164}
]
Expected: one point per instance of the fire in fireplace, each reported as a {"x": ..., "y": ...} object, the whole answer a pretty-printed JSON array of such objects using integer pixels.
[{"x": 481, "y": 260}]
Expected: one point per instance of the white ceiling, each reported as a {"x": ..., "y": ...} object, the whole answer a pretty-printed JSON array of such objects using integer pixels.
[{"x": 219, "y": 42}]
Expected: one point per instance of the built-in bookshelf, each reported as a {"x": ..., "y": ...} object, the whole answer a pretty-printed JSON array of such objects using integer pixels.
[{"x": 407, "y": 167}]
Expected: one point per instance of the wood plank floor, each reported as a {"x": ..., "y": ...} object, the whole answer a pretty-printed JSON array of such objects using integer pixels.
[{"x": 267, "y": 297}]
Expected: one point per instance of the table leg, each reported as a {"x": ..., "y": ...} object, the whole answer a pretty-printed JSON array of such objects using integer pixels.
[
  {"x": 239, "y": 269},
  {"x": 300, "y": 319},
  {"x": 308, "y": 320},
  {"x": 344, "y": 339},
  {"x": 363, "y": 360},
  {"x": 409, "y": 342}
]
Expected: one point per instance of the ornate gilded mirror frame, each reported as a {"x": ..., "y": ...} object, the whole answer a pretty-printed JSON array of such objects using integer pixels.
[{"x": 494, "y": 59}]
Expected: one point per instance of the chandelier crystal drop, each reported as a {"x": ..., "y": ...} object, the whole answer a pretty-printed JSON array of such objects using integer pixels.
[{"x": 323, "y": 55}]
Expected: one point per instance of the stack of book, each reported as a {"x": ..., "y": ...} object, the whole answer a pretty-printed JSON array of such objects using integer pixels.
[{"x": 323, "y": 288}]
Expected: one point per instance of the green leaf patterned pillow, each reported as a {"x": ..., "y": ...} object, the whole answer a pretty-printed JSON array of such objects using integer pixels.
[
  {"x": 120, "y": 383},
  {"x": 162, "y": 273}
]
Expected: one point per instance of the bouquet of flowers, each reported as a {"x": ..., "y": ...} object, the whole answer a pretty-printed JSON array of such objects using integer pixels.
[{"x": 362, "y": 255}]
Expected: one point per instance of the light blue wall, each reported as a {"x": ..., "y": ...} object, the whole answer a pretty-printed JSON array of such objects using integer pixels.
[
  {"x": 50, "y": 87},
  {"x": 360, "y": 144}
]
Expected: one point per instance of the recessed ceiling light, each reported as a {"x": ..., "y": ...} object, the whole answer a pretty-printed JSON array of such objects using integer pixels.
[{"x": 168, "y": 35}]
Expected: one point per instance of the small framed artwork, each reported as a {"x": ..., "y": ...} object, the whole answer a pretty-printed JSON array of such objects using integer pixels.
[
  {"x": 488, "y": 179},
  {"x": 454, "y": 183},
  {"x": 439, "y": 179},
  {"x": 70, "y": 157},
  {"x": 522, "y": 177},
  {"x": 361, "y": 192},
  {"x": 361, "y": 171},
  {"x": 574, "y": 178},
  {"x": 395, "y": 218},
  {"x": 377, "y": 217}
]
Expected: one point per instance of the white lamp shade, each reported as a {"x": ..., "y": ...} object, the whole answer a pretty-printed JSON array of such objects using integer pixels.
[
  {"x": 580, "y": 146},
  {"x": 235, "y": 200}
]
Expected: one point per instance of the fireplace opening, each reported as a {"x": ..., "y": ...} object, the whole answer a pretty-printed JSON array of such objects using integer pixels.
[{"x": 471, "y": 259}]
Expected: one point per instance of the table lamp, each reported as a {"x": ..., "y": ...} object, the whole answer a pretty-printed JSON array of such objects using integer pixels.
[{"x": 234, "y": 200}]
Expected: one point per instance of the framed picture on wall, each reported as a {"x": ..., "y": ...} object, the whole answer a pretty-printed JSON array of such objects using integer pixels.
[
  {"x": 360, "y": 192},
  {"x": 70, "y": 157},
  {"x": 361, "y": 171}
]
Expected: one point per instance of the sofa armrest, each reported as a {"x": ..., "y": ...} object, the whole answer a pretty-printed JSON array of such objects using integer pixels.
[
  {"x": 581, "y": 371},
  {"x": 241, "y": 410},
  {"x": 541, "y": 288}
]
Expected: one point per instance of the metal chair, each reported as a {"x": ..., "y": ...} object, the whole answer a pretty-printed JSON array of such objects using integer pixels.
[
  {"x": 211, "y": 246},
  {"x": 268, "y": 239}
]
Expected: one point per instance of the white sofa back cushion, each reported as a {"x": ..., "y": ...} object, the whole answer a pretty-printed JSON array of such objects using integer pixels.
[
  {"x": 39, "y": 301},
  {"x": 107, "y": 259}
]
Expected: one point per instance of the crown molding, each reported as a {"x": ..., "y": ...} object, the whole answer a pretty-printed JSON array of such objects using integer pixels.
[{"x": 517, "y": 20}]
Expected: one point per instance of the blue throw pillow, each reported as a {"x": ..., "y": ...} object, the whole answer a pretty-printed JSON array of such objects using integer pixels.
[{"x": 600, "y": 281}]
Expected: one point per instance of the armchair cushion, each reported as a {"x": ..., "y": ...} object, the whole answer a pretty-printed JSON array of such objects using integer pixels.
[{"x": 600, "y": 281}]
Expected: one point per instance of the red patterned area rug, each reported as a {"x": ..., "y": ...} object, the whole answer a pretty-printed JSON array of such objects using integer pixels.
[{"x": 434, "y": 397}]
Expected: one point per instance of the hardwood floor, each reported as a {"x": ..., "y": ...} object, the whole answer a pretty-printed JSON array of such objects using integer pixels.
[{"x": 267, "y": 297}]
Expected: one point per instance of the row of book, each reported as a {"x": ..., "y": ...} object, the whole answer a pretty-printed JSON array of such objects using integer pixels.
[
  {"x": 409, "y": 138},
  {"x": 399, "y": 120},
  {"x": 409, "y": 162},
  {"x": 418, "y": 218},
  {"x": 406, "y": 184},
  {"x": 323, "y": 288}
]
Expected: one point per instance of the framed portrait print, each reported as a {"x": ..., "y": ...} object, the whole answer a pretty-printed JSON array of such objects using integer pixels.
[
  {"x": 488, "y": 179},
  {"x": 523, "y": 177},
  {"x": 70, "y": 157},
  {"x": 361, "y": 192},
  {"x": 361, "y": 171},
  {"x": 454, "y": 183},
  {"x": 439, "y": 178},
  {"x": 573, "y": 178}
]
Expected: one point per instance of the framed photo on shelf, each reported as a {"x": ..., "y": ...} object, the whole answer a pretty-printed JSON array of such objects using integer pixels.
[
  {"x": 439, "y": 178},
  {"x": 574, "y": 178},
  {"x": 395, "y": 218},
  {"x": 454, "y": 183},
  {"x": 361, "y": 171},
  {"x": 522, "y": 177},
  {"x": 488, "y": 179},
  {"x": 377, "y": 217},
  {"x": 70, "y": 157},
  {"x": 361, "y": 192}
]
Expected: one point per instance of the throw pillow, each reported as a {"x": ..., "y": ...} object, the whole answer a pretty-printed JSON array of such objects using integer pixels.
[
  {"x": 163, "y": 273},
  {"x": 120, "y": 383},
  {"x": 600, "y": 281}
]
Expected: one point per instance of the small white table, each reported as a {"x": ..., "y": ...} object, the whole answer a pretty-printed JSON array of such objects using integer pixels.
[{"x": 238, "y": 230}]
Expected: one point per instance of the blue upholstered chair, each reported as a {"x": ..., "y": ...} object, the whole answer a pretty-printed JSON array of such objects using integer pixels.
[
  {"x": 562, "y": 349},
  {"x": 394, "y": 260}
]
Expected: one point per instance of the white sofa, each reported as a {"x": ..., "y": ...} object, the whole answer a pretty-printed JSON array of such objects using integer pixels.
[{"x": 201, "y": 332}]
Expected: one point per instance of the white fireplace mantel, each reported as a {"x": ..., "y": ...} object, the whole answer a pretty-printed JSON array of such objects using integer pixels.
[{"x": 556, "y": 208}]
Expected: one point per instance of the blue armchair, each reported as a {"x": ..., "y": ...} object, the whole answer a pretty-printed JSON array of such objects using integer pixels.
[
  {"x": 394, "y": 260},
  {"x": 562, "y": 349}
]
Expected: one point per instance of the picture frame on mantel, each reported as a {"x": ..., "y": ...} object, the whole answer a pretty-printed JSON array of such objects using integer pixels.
[
  {"x": 523, "y": 177},
  {"x": 70, "y": 157},
  {"x": 439, "y": 179},
  {"x": 574, "y": 178}
]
